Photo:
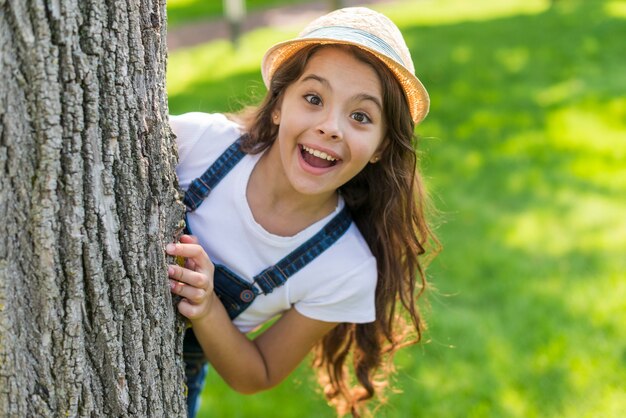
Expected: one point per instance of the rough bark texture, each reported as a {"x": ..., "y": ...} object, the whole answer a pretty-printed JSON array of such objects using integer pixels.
[{"x": 87, "y": 200}]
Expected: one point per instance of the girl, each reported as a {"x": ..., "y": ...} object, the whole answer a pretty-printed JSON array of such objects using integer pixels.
[{"x": 308, "y": 208}]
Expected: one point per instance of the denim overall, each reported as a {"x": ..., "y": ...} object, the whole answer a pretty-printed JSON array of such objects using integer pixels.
[{"x": 235, "y": 292}]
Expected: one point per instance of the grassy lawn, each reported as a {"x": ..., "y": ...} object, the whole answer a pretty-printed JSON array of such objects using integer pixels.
[
  {"x": 525, "y": 155},
  {"x": 183, "y": 11}
]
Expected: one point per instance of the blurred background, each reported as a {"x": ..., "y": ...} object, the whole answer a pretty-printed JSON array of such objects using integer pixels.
[{"x": 524, "y": 152}]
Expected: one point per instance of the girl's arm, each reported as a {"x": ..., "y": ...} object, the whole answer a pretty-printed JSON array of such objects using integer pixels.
[{"x": 248, "y": 366}]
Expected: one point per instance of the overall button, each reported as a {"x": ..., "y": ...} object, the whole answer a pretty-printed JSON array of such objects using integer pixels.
[{"x": 246, "y": 295}]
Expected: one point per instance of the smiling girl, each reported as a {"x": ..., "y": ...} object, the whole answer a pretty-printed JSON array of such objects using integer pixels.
[{"x": 308, "y": 209}]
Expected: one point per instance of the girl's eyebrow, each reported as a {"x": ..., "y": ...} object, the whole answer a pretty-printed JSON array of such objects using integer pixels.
[
  {"x": 358, "y": 97},
  {"x": 316, "y": 77},
  {"x": 365, "y": 96}
]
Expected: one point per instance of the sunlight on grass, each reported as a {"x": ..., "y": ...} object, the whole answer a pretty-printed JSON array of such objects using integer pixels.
[
  {"x": 513, "y": 402},
  {"x": 175, "y": 4},
  {"x": 599, "y": 219},
  {"x": 596, "y": 128},
  {"x": 616, "y": 8},
  {"x": 186, "y": 66},
  {"x": 440, "y": 12},
  {"x": 513, "y": 60},
  {"x": 218, "y": 60},
  {"x": 560, "y": 92}
]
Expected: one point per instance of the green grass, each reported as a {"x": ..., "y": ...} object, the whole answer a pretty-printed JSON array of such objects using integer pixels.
[
  {"x": 183, "y": 11},
  {"x": 525, "y": 155}
]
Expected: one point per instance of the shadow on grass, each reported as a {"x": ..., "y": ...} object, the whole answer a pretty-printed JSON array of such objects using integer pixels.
[{"x": 525, "y": 153}]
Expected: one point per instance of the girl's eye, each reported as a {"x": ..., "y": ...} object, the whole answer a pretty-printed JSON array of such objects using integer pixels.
[
  {"x": 361, "y": 117},
  {"x": 313, "y": 99}
]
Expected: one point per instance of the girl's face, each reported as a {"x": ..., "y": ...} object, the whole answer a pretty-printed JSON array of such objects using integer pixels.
[{"x": 331, "y": 122}]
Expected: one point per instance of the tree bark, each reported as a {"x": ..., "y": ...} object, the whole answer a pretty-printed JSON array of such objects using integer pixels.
[{"x": 88, "y": 198}]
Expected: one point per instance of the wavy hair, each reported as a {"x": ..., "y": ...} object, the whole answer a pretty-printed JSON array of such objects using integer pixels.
[{"x": 387, "y": 201}]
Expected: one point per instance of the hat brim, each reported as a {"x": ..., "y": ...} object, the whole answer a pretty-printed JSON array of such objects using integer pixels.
[{"x": 416, "y": 94}]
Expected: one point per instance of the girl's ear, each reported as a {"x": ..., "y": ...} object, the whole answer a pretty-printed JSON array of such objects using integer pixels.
[
  {"x": 379, "y": 152},
  {"x": 276, "y": 117}
]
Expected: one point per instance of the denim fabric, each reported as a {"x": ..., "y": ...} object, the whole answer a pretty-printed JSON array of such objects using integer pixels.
[
  {"x": 277, "y": 274},
  {"x": 200, "y": 188},
  {"x": 235, "y": 293},
  {"x": 195, "y": 375},
  {"x": 196, "y": 368}
]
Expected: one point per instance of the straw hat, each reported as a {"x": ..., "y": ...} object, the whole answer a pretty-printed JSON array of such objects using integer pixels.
[{"x": 365, "y": 29}]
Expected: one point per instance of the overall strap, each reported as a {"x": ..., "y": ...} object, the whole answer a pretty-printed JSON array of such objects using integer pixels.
[
  {"x": 200, "y": 188},
  {"x": 278, "y": 274}
]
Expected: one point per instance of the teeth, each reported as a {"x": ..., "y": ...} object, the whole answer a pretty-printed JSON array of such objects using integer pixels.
[{"x": 318, "y": 154}]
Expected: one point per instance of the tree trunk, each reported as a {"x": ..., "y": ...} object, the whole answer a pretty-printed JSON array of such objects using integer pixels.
[{"x": 88, "y": 197}]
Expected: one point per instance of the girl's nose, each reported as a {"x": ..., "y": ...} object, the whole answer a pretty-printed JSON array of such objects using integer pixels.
[{"x": 329, "y": 126}]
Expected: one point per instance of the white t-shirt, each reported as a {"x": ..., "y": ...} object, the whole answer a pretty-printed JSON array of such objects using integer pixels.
[{"x": 337, "y": 286}]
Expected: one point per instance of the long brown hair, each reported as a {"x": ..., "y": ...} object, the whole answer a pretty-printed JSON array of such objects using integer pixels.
[{"x": 387, "y": 203}]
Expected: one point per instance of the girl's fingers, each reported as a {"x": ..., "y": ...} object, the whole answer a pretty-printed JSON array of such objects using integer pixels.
[
  {"x": 190, "y": 264},
  {"x": 192, "y": 294},
  {"x": 191, "y": 251},
  {"x": 194, "y": 281},
  {"x": 189, "y": 310},
  {"x": 189, "y": 239},
  {"x": 193, "y": 278}
]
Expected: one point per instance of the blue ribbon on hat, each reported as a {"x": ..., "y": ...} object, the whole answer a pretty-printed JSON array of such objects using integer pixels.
[{"x": 357, "y": 36}]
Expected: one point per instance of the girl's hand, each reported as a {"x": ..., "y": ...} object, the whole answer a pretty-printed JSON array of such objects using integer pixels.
[{"x": 194, "y": 281}]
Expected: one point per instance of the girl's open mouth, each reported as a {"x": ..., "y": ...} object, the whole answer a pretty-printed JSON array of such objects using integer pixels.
[{"x": 316, "y": 158}]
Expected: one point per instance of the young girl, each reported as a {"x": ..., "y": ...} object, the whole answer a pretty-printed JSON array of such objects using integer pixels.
[{"x": 308, "y": 208}]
